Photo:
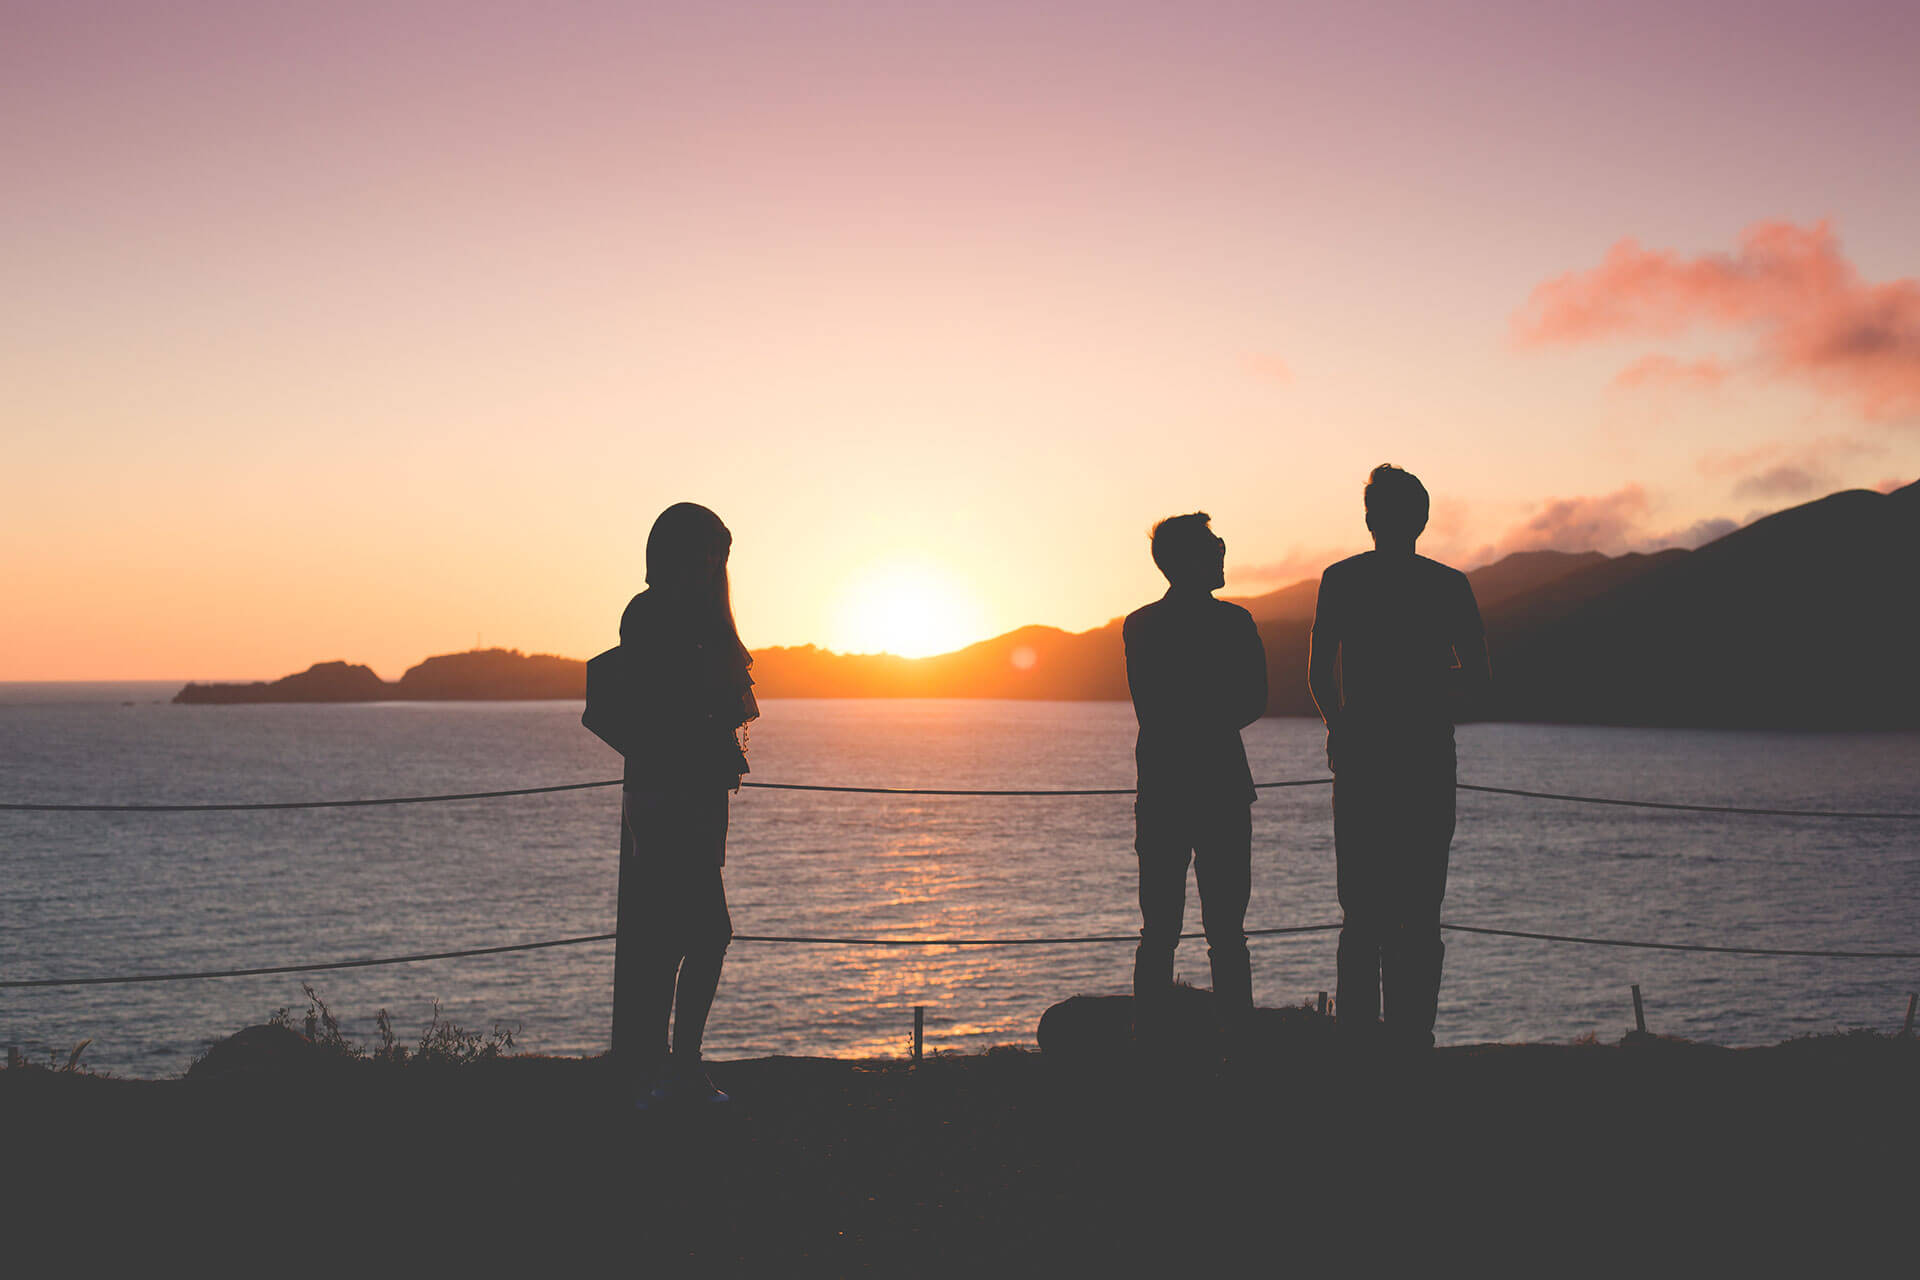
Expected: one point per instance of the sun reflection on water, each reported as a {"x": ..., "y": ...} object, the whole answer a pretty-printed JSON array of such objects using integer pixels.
[{"x": 929, "y": 890}]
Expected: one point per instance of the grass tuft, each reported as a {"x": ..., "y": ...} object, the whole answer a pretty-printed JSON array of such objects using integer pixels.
[{"x": 442, "y": 1043}]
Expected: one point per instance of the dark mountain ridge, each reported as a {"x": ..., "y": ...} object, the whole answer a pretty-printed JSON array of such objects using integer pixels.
[{"x": 1804, "y": 619}]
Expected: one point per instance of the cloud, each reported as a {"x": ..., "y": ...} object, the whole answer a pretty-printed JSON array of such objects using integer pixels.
[
  {"x": 1781, "y": 469},
  {"x": 1613, "y": 523},
  {"x": 1289, "y": 568},
  {"x": 1697, "y": 534},
  {"x": 1891, "y": 483},
  {"x": 1581, "y": 524},
  {"x": 1811, "y": 316},
  {"x": 1779, "y": 482},
  {"x": 1658, "y": 371},
  {"x": 1270, "y": 367},
  {"x": 1448, "y": 518}
]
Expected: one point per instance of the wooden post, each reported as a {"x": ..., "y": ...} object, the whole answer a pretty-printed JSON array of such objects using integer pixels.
[
  {"x": 919, "y": 1029},
  {"x": 1639, "y": 1014},
  {"x": 14, "y": 1059},
  {"x": 1913, "y": 998},
  {"x": 1323, "y": 1004}
]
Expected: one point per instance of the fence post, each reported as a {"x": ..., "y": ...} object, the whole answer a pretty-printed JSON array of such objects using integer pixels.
[
  {"x": 1913, "y": 998},
  {"x": 1323, "y": 1004},
  {"x": 919, "y": 1029},
  {"x": 1639, "y": 1014}
]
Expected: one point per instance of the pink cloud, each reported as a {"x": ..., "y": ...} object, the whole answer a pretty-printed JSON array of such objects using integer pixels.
[
  {"x": 1612, "y": 523},
  {"x": 1785, "y": 470},
  {"x": 1657, "y": 371},
  {"x": 1785, "y": 481},
  {"x": 1697, "y": 534},
  {"x": 1891, "y": 483},
  {"x": 1447, "y": 520},
  {"x": 1722, "y": 463},
  {"x": 1581, "y": 524},
  {"x": 1811, "y": 315},
  {"x": 1291, "y": 567},
  {"x": 1270, "y": 367}
]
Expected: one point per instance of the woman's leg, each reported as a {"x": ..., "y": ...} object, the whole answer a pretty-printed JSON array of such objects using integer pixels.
[
  {"x": 707, "y": 925},
  {"x": 644, "y": 962},
  {"x": 693, "y": 1001}
]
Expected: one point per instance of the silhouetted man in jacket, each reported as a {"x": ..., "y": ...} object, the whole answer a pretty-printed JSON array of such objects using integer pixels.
[
  {"x": 1198, "y": 675},
  {"x": 1397, "y": 646}
]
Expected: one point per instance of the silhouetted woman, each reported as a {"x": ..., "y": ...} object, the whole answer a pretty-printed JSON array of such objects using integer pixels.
[{"x": 690, "y": 699}]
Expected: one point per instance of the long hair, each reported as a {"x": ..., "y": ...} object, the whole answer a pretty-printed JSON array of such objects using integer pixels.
[{"x": 687, "y": 560}]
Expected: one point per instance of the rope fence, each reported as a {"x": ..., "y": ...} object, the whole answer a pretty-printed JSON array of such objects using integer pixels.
[
  {"x": 1684, "y": 808},
  {"x": 240, "y": 807},
  {"x": 810, "y": 940},
  {"x": 819, "y": 941}
]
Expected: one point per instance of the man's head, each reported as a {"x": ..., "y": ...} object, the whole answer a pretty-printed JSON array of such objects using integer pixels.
[
  {"x": 1396, "y": 505},
  {"x": 1189, "y": 553}
]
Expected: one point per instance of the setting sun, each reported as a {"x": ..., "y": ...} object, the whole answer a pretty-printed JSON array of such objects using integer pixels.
[{"x": 911, "y": 609}]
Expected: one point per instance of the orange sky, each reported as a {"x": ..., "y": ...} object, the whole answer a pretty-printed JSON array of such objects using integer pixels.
[{"x": 368, "y": 336}]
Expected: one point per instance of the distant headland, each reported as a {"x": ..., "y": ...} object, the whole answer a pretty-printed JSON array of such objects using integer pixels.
[
  {"x": 490, "y": 675},
  {"x": 1806, "y": 618}
]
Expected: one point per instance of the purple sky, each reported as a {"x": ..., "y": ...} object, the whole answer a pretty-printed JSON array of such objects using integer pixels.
[{"x": 359, "y": 331}]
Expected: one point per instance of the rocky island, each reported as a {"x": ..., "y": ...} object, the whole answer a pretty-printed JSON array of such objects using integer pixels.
[{"x": 479, "y": 675}]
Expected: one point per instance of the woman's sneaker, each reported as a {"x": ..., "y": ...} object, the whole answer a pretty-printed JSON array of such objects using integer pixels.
[
  {"x": 650, "y": 1092},
  {"x": 681, "y": 1084}
]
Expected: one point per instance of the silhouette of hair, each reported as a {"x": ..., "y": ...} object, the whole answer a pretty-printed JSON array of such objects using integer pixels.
[
  {"x": 1396, "y": 502},
  {"x": 1183, "y": 545},
  {"x": 687, "y": 558}
]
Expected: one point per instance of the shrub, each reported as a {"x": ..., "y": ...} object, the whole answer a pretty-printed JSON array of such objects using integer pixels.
[{"x": 442, "y": 1043}]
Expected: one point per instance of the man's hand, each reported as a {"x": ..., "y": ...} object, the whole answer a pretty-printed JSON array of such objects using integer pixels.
[{"x": 1473, "y": 681}]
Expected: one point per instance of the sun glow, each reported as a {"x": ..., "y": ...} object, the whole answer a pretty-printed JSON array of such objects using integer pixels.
[{"x": 912, "y": 609}]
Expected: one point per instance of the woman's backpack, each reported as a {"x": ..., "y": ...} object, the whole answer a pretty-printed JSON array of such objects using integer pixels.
[{"x": 609, "y": 714}]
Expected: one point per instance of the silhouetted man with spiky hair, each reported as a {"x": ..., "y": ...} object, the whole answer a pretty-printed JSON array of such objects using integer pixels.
[
  {"x": 1397, "y": 646},
  {"x": 1198, "y": 675}
]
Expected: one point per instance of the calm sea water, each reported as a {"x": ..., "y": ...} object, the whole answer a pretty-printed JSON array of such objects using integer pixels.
[{"x": 95, "y": 894}]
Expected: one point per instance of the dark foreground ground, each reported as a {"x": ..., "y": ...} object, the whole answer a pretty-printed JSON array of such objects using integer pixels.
[{"x": 1650, "y": 1155}]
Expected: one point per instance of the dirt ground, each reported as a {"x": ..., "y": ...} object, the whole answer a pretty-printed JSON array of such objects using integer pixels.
[{"x": 1652, "y": 1154}]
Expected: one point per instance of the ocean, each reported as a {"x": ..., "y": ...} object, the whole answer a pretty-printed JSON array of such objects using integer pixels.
[{"x": 87, "y": 894}]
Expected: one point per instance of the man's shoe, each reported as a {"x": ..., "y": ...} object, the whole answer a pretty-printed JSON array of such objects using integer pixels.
[
  {"x": 697, "y": 1088},
  {"x": 687, "y": 1084}
]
